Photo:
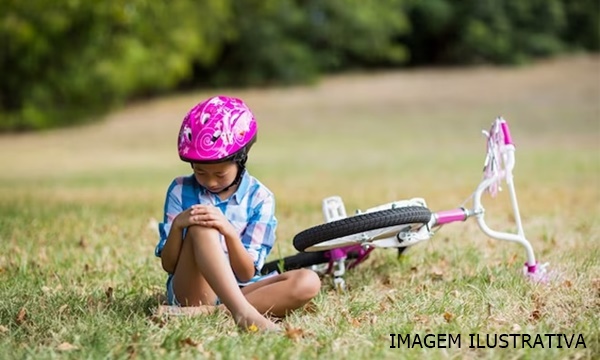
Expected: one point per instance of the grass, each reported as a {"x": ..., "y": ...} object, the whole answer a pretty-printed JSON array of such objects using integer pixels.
[{"x": 78, "y": 277}]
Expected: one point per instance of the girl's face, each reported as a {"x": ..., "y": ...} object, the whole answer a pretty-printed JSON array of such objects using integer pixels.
[{"x": 215, "y": 177}]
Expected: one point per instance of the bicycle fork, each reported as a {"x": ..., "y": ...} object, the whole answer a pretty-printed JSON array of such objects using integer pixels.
[{"x": 334, "y": 209}]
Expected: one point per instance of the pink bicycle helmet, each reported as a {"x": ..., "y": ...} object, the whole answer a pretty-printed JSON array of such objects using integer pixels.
[{"x": 218, "y": 129}]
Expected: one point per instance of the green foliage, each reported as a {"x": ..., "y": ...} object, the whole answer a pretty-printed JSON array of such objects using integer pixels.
[
  {"x": 511, "y": 32},
  {"x": 583, "y": 30},
  {"x": 357, "y": 33},
  {"x": 484, "y": 31},
  {"x": 265, "y": 46},
  {"x": 291, "y": 41},
  {"x": 432, "y": 28},
  {"x": 65, "y": 61}
]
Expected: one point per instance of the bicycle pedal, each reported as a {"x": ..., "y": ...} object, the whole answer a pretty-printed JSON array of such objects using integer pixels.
[{"x": 333, "y": 209}]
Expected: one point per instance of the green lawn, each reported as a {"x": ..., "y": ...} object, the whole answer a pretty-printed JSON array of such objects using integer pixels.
[{"x": 78, "y": 277}]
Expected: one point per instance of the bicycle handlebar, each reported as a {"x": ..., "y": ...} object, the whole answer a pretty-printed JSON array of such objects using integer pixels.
[{"x": 498, "y": 166}]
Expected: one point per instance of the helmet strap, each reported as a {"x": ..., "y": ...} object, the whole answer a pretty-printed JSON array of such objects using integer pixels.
[
  {"x": 240, "y": 159},
  {"x": 240, "y": 171}
]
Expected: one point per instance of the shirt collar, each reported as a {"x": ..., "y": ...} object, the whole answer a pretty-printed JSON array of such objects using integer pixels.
[{"x": 239, "y": 193}]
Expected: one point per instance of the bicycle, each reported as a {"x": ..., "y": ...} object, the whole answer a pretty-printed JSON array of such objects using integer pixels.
[{"x": 343, "y": 242}]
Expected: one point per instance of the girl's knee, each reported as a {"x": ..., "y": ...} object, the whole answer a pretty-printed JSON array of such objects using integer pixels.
[
  {"x": 197, "y": 231},
  {"x": 306, "y": 284}
]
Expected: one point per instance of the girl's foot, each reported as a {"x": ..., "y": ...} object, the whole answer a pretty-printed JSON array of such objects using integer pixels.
[
  {"x": 254, "y": 321},
  {"x": 251, "y": 322}
]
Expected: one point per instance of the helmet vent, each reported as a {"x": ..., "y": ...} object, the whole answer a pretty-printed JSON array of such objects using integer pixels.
[{"x": 204, "y": 118}]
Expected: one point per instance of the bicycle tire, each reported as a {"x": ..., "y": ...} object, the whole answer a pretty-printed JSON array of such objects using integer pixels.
[
  {"x": 297, "y": 261},
  {"x": 320, "y": 234},
  {"x": 300, "y": 260}
]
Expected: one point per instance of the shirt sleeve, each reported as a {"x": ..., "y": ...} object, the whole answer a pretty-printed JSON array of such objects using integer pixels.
[
  {"x": 259, "y": 235},
  {"x": 173, "y": 206}
]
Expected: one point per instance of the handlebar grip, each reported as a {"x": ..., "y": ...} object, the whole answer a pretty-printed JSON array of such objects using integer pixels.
[
  {"x": 506, "y": 133},
  {"x": 450, "y": 216}
]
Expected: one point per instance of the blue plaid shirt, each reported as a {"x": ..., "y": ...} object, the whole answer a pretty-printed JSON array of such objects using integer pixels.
[{"x": 251, "y": 211}]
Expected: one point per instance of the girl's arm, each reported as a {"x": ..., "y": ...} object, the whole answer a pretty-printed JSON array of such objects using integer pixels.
[
  {"x": 172, "y": 248},
  {"x": 171, "y": 229},
  {"x": 239, "y": 258},
  {"x": 258, "y": 236}
]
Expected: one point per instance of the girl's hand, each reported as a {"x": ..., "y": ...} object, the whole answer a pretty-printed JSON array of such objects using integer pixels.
[
  {"x": 188, "y": 217},
  {"x": 208, "y": 216}
]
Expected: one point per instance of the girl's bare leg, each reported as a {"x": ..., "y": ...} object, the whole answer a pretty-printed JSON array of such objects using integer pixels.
[
  {"x": 283, "y": 293},
  {"x": 203, "y": 272}
]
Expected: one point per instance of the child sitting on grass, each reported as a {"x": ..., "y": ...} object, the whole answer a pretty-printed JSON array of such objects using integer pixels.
[{"x": 219, "y": 224}]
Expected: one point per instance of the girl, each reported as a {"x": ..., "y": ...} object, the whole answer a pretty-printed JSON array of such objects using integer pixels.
[{"x": 219, "y": 224}]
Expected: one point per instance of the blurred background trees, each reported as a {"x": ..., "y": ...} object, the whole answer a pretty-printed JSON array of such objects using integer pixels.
[{"x": 67, "y": 61}]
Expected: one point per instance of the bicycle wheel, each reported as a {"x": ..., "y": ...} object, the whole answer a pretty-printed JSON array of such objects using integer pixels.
[
  {"x": 348, "y": 231},
  {"x": 300, "y": 260},
  {"x": 297, "y": 261}
]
